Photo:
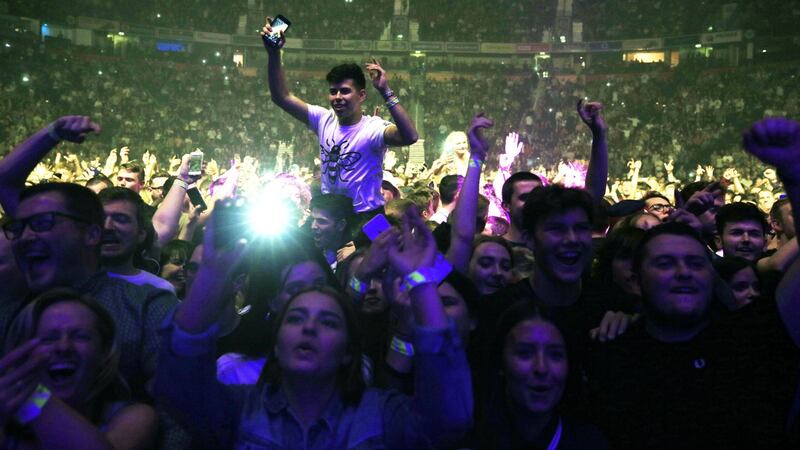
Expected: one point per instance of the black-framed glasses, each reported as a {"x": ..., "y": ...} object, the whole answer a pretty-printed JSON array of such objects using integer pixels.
[
  {"x": 38, "y": 223},
  {"x": 661, "y": 207}
]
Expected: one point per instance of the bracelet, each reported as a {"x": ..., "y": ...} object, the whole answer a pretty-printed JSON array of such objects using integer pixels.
[
  {"x": 423, "y": 275},
  {"x": 33, "y": 406},
  {"x": 475, "y": 163},
  {"x": 403, "y": 347},
  {"x": 181, "y": 183},
  {"x": 51, "y": 131},
  {"x": 358, "y": 286},
  {"x": 387, "y": 94},
  {"x": 392, "y": 102}
]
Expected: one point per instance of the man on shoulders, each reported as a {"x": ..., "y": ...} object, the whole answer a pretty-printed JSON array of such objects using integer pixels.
[{"x": 352, "y": 145}]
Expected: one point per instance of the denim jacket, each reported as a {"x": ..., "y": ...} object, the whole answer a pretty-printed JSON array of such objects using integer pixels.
[{"x": 259, "y": 417}]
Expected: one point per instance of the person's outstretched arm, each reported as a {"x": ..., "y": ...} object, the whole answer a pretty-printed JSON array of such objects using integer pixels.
[
  {"x": 597, "y": 174},
  {"x": 166, "y": 219},
  {"x": 15, "y": 168},
  {"x": 441, "y": 410},
  {"x": 278, "y": 90},
  {"x": 463, "y": 231},
  {"x": 403, "y": 131},
  {"x": 776, "y": 141}
]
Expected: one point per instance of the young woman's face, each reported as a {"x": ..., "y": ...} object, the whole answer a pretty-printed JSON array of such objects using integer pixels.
[
  {"x": 535, "y": 366},
  {"x": 68, "y": 333},
  {"x": 490, "y": 267},
  {"x": 312, "y": 339},
  {"x": 745, "y": 286}
]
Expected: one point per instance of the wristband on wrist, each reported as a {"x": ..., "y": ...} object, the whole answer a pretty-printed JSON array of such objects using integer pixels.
[
  {"x": 423, "y": 275},
  {"x": 358, "y": 286},
  {"x": 387, "y": 94},
  {"x": 181, "y": 183},
  {"x": 392, "y": 102},
  {"x": 33, "y": 406},
  {"x": 475, "y": 163},
  {"x": 53, "y": 134},
  {"x": 403, "y": 347}
]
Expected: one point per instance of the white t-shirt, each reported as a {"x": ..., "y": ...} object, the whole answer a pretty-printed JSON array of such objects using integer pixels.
[
  {"x": 144, "y": 277},
  {"x": 351, "y": 156}
]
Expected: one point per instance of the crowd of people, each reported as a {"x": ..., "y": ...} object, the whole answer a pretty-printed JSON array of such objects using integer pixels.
[
  {"x": 504, "y": 21},
  {"x": 205, "y": 259}
]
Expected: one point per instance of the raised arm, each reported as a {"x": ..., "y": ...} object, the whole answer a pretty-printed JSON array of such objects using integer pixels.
[
  {"x": 776, "y": 141},
  {"x": 168, "y": 215},
  {"x": 186, "y": 375},
  {"x": 463, "y": 230},
  {"x": 597, "y": 174},
  {"x": 442, "y": 403},
  {"x": 15, "y": 168},
  {"x": 278, "y": 90},
  {"x": 403, "y": 131}
]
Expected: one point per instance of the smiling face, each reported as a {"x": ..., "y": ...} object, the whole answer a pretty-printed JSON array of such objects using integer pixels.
[
  {"x": 346, "y": 100},
  {"x": 745, "y": 239},
  {"x": 676, "y": 279},
  {"x": 535, "y": 366},
  {"x": 562, "y": 244},
  {"x": 53, "y": 258},
  {"x": 490, "y": 267},
  {"x": 68, "y": 333},
  {"x": 312, "y": 339}
]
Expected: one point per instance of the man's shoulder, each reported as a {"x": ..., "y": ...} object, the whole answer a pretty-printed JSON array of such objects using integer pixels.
[{"x": 106, "y": 288}]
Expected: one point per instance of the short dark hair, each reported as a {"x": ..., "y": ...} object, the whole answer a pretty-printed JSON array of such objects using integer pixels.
[
  {"x": 79, "y": 200},
  {"x": 508, "y": 186},
  {"x": 656, "y": 194},
  {"x": 740, "y": 212},
  {"x": 349, "y": 378},
  {"x": 482, "y": 239},
  {"x": 554, "y": 199},
  {"x": 672, "y": 228},
  {"x": 449, "y": 187},
  {"x": 620, "y": 243},
  {"x": 729, "y": 266},
  {"x": 121, "y": 194},
  {"x": 99, "y": 179},
  {"x": 338, "y": 205},
  {"x": 134, "y": 168},
  {"x": 347, "y": 71}
]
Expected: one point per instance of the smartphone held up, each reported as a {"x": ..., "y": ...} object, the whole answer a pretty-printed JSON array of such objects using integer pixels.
[{"x": 280, "y": 24}]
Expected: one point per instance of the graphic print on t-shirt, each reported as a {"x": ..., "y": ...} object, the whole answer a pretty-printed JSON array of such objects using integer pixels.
[{"x": 336, "y": 160}]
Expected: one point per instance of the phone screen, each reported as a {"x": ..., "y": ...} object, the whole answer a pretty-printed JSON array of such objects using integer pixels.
[
  {"x": 196, "y": 164},
  {"x": 279, "y": 24},
  {"x": 196, "y": 198}
]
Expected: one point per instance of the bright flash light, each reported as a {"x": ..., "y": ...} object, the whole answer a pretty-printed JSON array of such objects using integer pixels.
[{"x": 268, "y": 213}]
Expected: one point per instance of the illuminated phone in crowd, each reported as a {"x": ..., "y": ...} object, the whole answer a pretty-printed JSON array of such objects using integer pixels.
[
  {"x": 196, "y": 163},
  {"x": 279, "y": 24}
]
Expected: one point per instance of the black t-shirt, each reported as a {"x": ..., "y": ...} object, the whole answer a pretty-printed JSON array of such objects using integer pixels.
[{"x": 729, "y": 387}]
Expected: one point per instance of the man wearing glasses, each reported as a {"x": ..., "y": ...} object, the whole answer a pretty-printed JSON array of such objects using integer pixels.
[
  {"x": 56, "y": 233},
  {"x": 658, "y": 205}
]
